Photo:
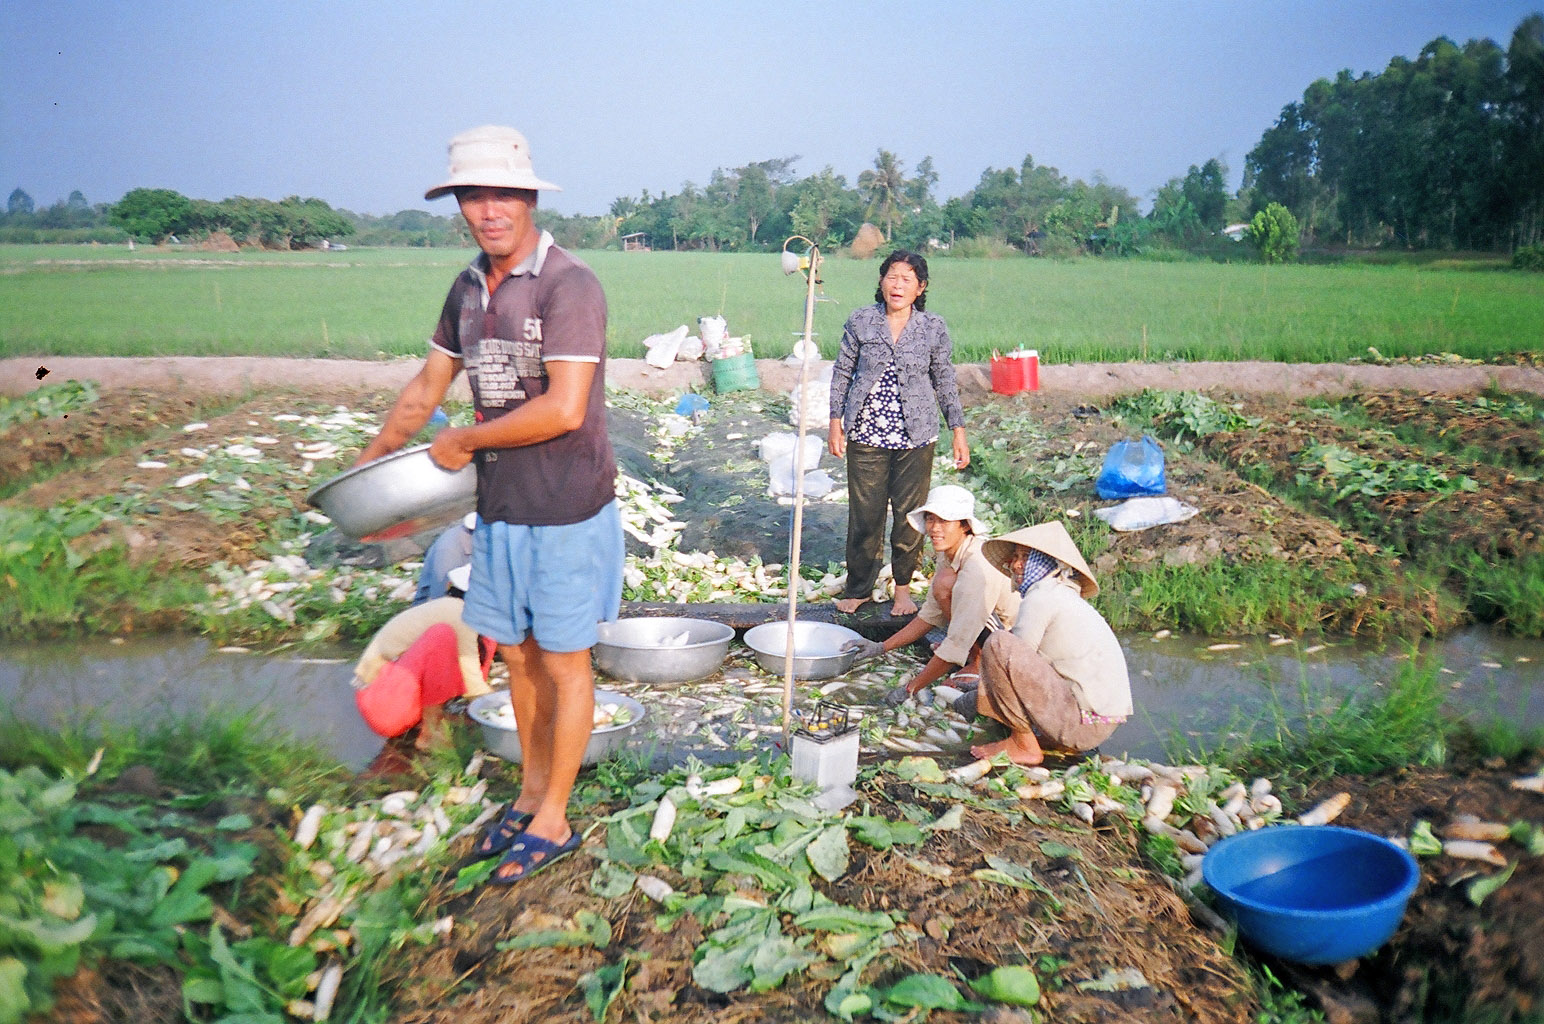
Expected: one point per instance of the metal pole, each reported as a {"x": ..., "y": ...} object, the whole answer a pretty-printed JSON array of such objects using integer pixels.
[{"x": 798, "y": 496}]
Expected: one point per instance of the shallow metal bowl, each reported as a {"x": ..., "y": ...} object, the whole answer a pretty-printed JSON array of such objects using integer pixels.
[
  {"x": 634, "y": 650},
  {"x": 501, "y": 737},
  {"x": 817, "y": 648},
  {"x": 396, "y": 495}
]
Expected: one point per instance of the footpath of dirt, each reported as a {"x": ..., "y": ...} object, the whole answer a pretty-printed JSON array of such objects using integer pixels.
[{"x": 236, "y": 374}]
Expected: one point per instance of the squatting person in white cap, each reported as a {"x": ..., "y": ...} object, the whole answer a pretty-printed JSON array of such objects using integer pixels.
[
  {"x": 1059, "y": 678},
  {"x": 965, "y": 595},
  {"x": 527, "y": 321}
]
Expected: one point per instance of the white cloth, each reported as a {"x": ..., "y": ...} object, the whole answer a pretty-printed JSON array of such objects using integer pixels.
[{"x": 1070, "y": 634}]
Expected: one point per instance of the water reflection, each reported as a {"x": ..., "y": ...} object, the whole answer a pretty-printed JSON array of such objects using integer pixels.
[
  {"x": 1179, "y": 686},
  {"x": 148, "y": 679}
]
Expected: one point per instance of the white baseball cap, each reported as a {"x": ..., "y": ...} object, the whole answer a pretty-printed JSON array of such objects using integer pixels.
[{"x": 490, "y": 156}]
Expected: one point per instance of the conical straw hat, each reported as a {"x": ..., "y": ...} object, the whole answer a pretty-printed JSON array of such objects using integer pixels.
[{"x": 1052, "y": 539}]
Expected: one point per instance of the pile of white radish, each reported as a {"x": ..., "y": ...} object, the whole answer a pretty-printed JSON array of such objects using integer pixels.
[{"x": 348, "y": 851}]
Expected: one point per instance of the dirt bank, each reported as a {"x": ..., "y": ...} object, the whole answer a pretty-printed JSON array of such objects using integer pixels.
[{"x": 230, "y": 375}]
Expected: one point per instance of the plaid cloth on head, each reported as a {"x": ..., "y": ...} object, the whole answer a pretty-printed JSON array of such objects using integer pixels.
[{"x": 1037, "y": 567}]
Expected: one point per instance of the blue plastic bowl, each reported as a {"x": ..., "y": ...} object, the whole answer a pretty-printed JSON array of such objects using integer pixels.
[{"x": 1315, "y": 894}]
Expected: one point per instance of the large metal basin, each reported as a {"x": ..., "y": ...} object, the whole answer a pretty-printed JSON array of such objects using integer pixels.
[
  {"x": 502, "y": 738},
  {"x": 817, "y": 648},
  {"x": 639, "y": 651},
  {"x": 396, "y": 495}
]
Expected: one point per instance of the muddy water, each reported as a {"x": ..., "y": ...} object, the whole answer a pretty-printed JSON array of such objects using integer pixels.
[{"x": 1181, "y": 689}]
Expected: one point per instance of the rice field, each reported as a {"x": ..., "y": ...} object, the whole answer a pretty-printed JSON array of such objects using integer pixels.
[{"x": 364, "y": 303}]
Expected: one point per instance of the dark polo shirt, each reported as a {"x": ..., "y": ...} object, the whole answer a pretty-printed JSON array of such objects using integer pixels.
[{"x": 550, "y": 308}]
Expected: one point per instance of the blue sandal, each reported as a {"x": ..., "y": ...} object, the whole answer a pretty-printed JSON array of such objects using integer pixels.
[
  {"x": 499, "y": 836},
  {"x": 531, "y": 854}
]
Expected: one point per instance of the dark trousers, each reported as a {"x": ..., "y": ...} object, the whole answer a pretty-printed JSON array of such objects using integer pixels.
[{"x": 878, "y": 478}]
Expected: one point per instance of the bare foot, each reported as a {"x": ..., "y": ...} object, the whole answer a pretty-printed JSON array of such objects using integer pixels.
[
  {"x": 1018, "y": 751},
  {"x": 903, "y": 604},
  {"x": 848, "y": 605}
]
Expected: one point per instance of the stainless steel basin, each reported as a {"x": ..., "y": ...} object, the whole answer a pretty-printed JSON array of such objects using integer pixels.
[
  {"x": 650, "y": 650},
  {"x": 817, "y": 648},
  {"x": 396, "y": 495},
  {"x": 501, "y": 737}
]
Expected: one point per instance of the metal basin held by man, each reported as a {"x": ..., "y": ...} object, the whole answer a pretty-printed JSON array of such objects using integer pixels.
[
  {"x": 396, "y": 495},
  {"x": 662, "y": 650}
]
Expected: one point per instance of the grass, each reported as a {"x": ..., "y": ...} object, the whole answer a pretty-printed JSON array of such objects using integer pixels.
[
  {"x": 84, "y": 300},
  {"x": 1362, "y": 733}
]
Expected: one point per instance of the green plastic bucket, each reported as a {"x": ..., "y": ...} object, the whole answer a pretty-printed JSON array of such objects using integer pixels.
[{"x": 735, "y": 373}]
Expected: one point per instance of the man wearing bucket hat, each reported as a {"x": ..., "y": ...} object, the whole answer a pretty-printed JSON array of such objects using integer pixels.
[
  {"x": 1059, "y": 678},
  {"x": 965, "y": 595},
  {"x": 527, "y": 321}
]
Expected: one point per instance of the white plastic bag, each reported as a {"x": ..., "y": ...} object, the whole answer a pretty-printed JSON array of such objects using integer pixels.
[
  {"x": 779, "y": 445},
  {"x": 818, "y": 484},
  {"x": 663, "y": 347},
  {"x": 1142, "y": 513},
  {"x": 780, "y": 479},
  {"x": 691, "y": 349},
  {"x": 812, "y": 403}
]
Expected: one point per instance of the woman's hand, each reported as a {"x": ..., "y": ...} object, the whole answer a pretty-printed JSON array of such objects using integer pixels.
[
  {"x": 961, "y": 449},
  {"x": 836, "y": 439}
]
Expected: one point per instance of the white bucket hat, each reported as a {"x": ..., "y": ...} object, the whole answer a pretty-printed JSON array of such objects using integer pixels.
[
  {"x": 948, "y": 501},
  {"x": 490, "y": 156}
]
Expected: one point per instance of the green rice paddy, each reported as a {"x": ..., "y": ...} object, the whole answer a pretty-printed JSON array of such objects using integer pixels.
[{"x": 364, "y": 303}]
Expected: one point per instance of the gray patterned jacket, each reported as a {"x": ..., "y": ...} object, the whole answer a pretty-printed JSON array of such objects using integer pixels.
[{"x": 922, "y": 363}]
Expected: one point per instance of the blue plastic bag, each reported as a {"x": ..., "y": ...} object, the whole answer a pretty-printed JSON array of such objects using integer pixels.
[
  {"x": 1132, "y": 469},
  {"x": 690, "y": 404}
]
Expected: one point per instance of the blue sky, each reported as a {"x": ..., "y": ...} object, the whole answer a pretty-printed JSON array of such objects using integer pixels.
[{"x": 353, "y": 102}]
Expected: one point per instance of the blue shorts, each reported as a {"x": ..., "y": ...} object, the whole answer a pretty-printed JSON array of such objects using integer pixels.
[{"x": 551, "y": 582}]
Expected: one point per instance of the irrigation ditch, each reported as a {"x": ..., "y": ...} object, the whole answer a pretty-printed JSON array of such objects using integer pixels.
[{"x": 1387, "y": 515}]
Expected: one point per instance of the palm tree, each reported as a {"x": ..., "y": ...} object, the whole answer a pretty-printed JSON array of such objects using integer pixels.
[{"x": 884, "y": 189}]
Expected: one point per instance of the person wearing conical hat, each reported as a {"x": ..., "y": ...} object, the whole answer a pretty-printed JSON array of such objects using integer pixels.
[{"x": 1059, "y": 677}]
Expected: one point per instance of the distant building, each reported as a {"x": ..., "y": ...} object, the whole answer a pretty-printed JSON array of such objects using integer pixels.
[
  {"x": 1236, "y": 231},
  {"x": 635, "y": 242}
]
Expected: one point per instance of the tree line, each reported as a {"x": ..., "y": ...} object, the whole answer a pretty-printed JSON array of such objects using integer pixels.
[{"x": 1445, "y": 151}]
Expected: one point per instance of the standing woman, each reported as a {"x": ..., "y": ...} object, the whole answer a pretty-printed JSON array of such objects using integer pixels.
[{"x": 892, "y": 373}]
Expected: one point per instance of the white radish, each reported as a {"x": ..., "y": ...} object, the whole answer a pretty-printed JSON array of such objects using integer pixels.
[
  {"x": 654, "y": 888},
  {"x": 1048, "y": 790},
  {"x": 723, "y": 787},
  {"x": 1530, "y": 783},
  {"x": 1258, "y": 788},
  {"x": 1473, "y": 849},
  {"x": 1084, "y": 812},
  {"x": 1106, "y": 805},
  {"x": 973, "y": 772},
  {"x": 1485, "y": 831},
  {"x": 664, "y": 820},
  {"x": 1223, "y": 821},
  {"x": 1162, "y": 801},
  {"x": 310, "y": 824},
  {"x": 327, "y": 991},
  {"x": 1270, "y": 803},
  {"x": 1189, "y": 842},
  {"x": 1132, "y": 772},
  {"x": 1327, "y": 811}
]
